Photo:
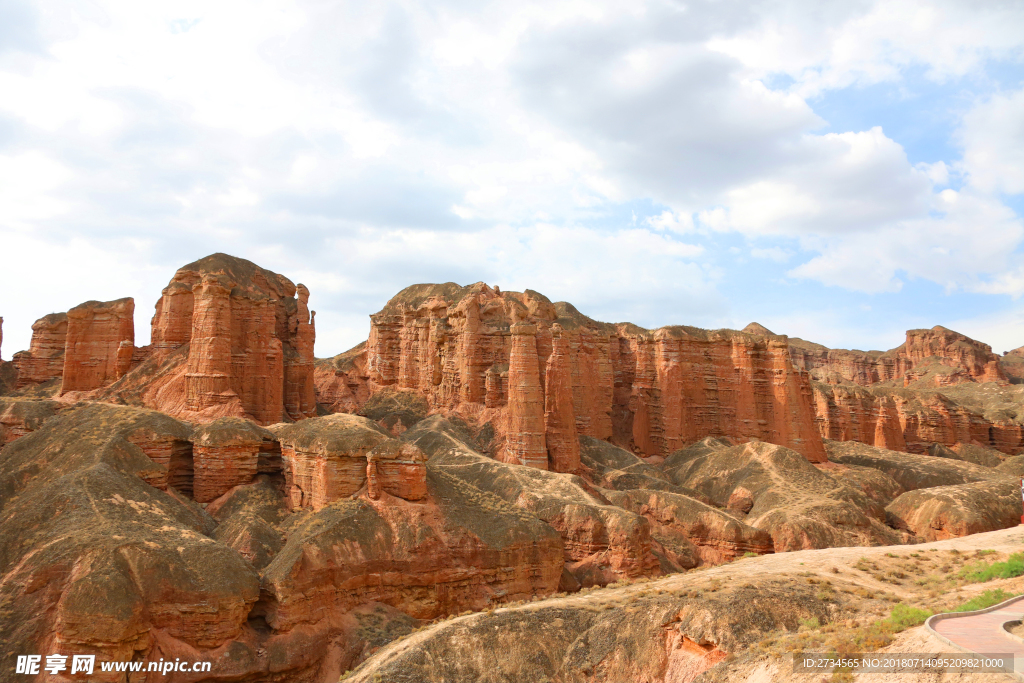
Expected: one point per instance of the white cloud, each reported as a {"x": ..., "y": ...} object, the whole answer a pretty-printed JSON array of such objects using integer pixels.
[
  {"x": 993, "y": 139},
  {"x": 456, "y": 141}
]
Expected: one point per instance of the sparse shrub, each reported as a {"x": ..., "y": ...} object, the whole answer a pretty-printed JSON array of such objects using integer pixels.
[
  {"x": 810, "y": 624},
  {"x": 986, "y": 599},
  {"x": 903, "y": 617},
  {"x": 749, "y": 554},
  {"x": 978, "y": 573}
]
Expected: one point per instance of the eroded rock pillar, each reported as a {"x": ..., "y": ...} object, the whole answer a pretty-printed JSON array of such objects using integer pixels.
[
  {"x": 525, "y": 440},
  {"x": 559, "y": 413}
]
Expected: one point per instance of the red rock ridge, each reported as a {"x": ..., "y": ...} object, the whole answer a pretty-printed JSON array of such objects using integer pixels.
[
  {"x": 970, "y": 360},
  {"x": 478, "y": 352}
]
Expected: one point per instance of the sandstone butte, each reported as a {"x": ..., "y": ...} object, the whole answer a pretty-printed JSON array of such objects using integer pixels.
[{"x": 228, "y": 339}]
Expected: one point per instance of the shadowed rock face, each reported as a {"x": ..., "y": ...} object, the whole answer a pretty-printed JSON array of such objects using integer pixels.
[{"x": 492, "y": 357}]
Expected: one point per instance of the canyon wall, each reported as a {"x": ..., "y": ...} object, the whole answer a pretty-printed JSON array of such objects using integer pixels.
[{"x": 535, "y": 370}]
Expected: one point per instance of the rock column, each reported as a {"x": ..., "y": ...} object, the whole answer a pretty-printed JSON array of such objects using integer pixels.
[
  {"x": 559, "y": 414},
  {"x": 299, "y": 399},
  {"x": 525, "y": 440}
]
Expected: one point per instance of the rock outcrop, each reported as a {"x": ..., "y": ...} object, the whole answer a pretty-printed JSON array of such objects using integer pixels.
[
  {"x": 458, "y": 549},
  {"x": 936, "y": 357},
  {"x": 229, "y": 339},
  {"x": 913, "y": 419},
  {"x": 909, "y": 470},
  {"x": 942, "y": 512},
  {"x": 227, "y": 453},
  {"x": 485, "y": 355},
  {"x": 526, "y": 443},
  {"x": 97, "y": 560},
  {"x": 326, "y": 459},
  {"x": 99, "y": 345},
  {"x": 19, "y": 417},
  {"x": 44, "y": 360},
  {"x": 602, "y": 543}
]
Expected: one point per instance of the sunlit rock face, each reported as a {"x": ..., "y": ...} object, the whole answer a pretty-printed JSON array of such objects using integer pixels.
[{"x": 541, "y": 374}]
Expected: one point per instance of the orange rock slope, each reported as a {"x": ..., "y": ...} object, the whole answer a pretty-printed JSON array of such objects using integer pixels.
[{"x": 544, "y": 374}]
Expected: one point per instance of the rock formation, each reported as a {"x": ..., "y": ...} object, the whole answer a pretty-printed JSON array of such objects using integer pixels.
[
  {"x": 226, "y": 453},
  {"x": 559, "y": 414},
  {"x": 44, "y": 359},
  {"x": 19, "y": 417},
  {"x": 99, "y": 344},
  {"x": 526, "y": 429},
  {"x": 776, "y": 490},
  {"x": 938, "y": 357},
  {"x": 942, "y": 512},
  {"x": 326, "y": 459},
  {"x": 478, "y": 352},
  {"x": 228, "y": 339}
]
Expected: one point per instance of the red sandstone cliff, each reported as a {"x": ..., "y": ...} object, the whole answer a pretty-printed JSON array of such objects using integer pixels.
[
  {"x": 99, "y": 344},
  {"x": 228, "y": 339},
  {"x": 44, "y": 359},
  {"x": 493, "y": 356}
]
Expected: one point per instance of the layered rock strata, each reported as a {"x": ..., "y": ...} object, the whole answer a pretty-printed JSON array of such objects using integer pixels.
[
  {"x": 910, "y": 420},
  {"x": 99, "y": 345},
  {"x": 326, "y": 459},
  {"x": 44, "y": 359},
  {"x": 226, "y": 453},
  {"x": 249, "y": 336},
  {"x": 963, "y": 360},
  {"x": 479, "y": 352},
  {"x": 411, "y": 556}
]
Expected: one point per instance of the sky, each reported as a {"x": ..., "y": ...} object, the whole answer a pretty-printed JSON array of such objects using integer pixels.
[{"x": 840, "y": 172}]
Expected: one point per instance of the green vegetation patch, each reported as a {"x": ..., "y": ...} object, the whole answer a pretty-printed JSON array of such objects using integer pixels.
[
  {"x": 986, "y": 599},
  {"x": 980, "y": 572}
]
